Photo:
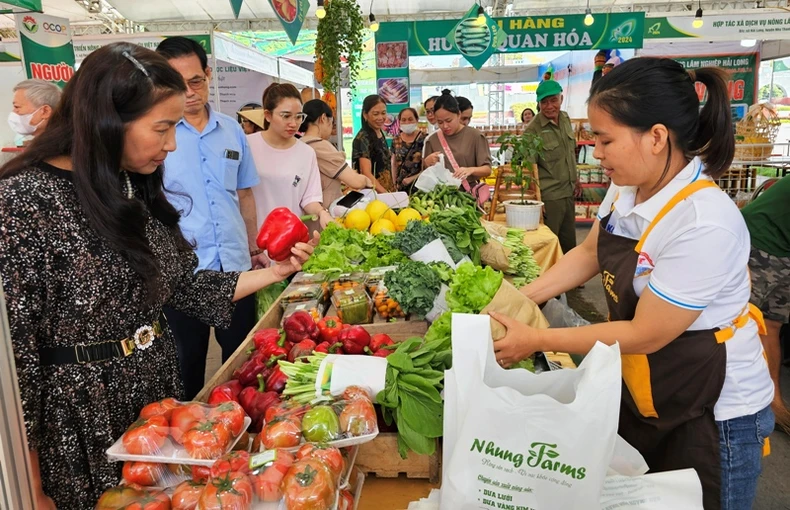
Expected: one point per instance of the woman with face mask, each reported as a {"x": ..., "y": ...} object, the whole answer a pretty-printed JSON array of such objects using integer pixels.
[
  {"x": 34, "y": 102},
  {"x": 407, "y": 150},
  {"x": 317, "y": 128}
]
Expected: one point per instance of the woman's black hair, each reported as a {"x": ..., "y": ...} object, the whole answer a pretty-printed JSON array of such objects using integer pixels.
[
  {"x": 643, "y": 92},
  {"x": 526, "y": 110},
  {"x": 314, "y": 109},
  {"x": 446, "y": 102},
  {"x": 115, "y": 85},
  {"x": 432, "y": 98},
  {"x": 409, "y": 109},
  {"x": 464, "y": 104},
  {"x": 376, "y": 149},
  {"x": 275, "y": 94}
]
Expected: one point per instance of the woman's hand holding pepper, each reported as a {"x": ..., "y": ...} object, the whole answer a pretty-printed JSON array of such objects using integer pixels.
[
  {"x": 520, "y": 342},
  {"x": 300, "y": 253}
]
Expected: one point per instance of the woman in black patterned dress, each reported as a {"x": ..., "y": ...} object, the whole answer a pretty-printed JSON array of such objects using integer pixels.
[{"x": 90, "y": 251}]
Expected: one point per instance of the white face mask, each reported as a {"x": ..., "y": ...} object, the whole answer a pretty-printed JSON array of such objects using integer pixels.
[
  {"x": 20, "y": 124},
  {"x": 408, "y": 128}
]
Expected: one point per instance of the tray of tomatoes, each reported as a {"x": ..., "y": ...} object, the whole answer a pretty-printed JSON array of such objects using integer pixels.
[
  {"x": 340, "y": 423},
  {"x": 172, "y": 432}
]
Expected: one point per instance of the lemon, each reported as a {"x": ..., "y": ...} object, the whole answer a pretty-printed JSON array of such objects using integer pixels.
[
  {"x": 391, "y": 216},
  {"x": 376, "y": 209},
  {"x": 357, "y": 220},
  {"x": 405, "y": 216},
  {"x": 382, "y": 226}
]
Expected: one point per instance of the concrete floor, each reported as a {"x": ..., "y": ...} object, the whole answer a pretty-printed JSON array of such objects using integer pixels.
[{"x": 774, "y": 490}]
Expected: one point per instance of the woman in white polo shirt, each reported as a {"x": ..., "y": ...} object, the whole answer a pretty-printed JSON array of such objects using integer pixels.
[{"x": 673, "y": 251}]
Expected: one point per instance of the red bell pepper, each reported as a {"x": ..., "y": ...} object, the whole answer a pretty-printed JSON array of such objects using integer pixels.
[
  {"x": 378, "y": 341},
  {"x": 248, "y": 372},
  {"x": 328, "y": 348},
  {"x": 267, "y": 337},
  {"x": 302, "y": 349},
  {"x": 276, "y": 380},
  {"x": 300, "y": 326},
  {"x": 280, "y": 232},
  {"x": 255, "y": 402},
  {"x": 354, "y": 340},
  {"x": 226, "y": 392},
  {"x": 329, "y": 328},
  {"x": 382, "y": 353}
]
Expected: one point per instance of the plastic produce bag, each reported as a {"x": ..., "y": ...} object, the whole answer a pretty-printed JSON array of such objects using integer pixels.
[
  {"x": 560, "y": 315},
  {"x": 434, "y": 176},
  {"x": 671, "y": 490},
  {"x": 521, "y": 439}
]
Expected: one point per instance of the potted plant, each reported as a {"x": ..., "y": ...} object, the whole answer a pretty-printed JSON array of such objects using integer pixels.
[
  {"x": 524, "y": 149},
  {"x": 340, "y": 37}
]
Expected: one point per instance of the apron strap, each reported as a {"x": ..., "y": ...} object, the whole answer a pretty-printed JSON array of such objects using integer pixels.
[{"x": 679, "y": 197}]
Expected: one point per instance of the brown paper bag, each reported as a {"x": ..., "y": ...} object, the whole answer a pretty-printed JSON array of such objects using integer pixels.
[
  {"x": 509, "y": 301},
  {"x": 495, "y": 254}
]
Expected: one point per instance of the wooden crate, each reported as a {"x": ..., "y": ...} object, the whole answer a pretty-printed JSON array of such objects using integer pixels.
[
  {"x": 399, "y": 331},
  {"x": 381, "y": 458}
]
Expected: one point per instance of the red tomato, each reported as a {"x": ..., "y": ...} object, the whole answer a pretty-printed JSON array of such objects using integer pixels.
[
  {"x": 346, "y": 501},
  {"x": 201, "y": 474},
  {"x": 281, "y": 433},
  {"x": 231, "y": 414},
  {"x": 162, "y": 408},
  {"x": 146, "y": 474},
  {"x": 267, "y": 479},
  {"x": 358, "y": 418},
  {"x": 238, "y": 462},
  {"x": 284, "y": 409},
  {"x": 330, "y": 456},
  {"x": 180, "y": 469},
  {"x": 132, "y": 497},
  {"x": 146, "y": 437},
  {"x": 308, "y": 485},
  {"x": 355, "y": 392},
  {"x": 186, "y": 495},
  {"x": 206, "y": 440},
  {"x": 231, "y": 492},
  {"x": 184, "y": 418}
]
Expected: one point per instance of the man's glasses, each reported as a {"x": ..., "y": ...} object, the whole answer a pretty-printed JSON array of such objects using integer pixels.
[{"x": 196, "y": 83}]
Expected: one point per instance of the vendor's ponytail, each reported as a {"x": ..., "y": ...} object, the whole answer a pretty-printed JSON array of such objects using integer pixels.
[
  {"x": 714, "y": 141},
  {"x": 643, "y": 92}
]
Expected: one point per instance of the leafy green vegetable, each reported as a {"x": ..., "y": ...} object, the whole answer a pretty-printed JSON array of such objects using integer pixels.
[
  {"x": 473, "y": 287},
  {"x": 440, "y": 329},
  {"x": 521, "y": 259},
  {"x": 265, "y": 298},
  {"x": 414, "y": 285},
  {"x": 443, "y": 271},
  {"x": 462, "y": 224},
  {"x": 345, "y": 250},
  {"x": 416, "y": 235}
]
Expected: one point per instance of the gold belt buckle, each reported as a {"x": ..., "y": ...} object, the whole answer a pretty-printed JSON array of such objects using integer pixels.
[{"x": 127, "y": 344}]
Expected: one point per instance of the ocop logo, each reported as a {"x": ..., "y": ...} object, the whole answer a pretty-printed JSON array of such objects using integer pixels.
[
  {"x": 54, "y": 28},
  {"x": 30, "y": 24}
]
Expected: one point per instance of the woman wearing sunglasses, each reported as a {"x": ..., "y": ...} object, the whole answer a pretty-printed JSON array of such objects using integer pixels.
[{"x": 288, "y": 169}]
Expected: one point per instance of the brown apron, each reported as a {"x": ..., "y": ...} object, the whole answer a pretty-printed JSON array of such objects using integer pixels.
[{"x": 668, "y": 396}]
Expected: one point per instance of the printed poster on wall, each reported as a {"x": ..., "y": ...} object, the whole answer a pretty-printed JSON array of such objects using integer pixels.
[
  {"x": 47, "y": 49},
  {"x": 291, "y": 14},
  {"x": 392, "y": 79}
]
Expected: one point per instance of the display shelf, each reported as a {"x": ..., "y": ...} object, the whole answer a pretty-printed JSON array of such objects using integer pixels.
[
  {"x": 585, "y": 143},
  {"x": 594, "y": 185},
  {"x": 585, "y": 221}
]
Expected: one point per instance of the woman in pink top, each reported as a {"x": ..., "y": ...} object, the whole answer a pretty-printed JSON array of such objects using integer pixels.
[{"x": 288, "y": 168}]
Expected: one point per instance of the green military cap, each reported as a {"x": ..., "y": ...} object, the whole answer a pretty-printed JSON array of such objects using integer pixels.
[{"x": 548, "y": 88}]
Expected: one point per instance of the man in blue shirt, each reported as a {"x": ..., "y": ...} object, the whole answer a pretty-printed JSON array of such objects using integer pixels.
[{"x": 209, "y": 177}]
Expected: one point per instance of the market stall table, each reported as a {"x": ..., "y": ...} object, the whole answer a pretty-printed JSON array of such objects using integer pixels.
[
  {"x": 544, "y": 243},
  {"x": 393, "y": 493}
]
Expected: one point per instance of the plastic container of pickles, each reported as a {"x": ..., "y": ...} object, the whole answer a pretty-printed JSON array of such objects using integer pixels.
[
  {"x": 313, "y": 278},
  {"x": 353, "y": 305},
  {"x": 347, "y": 281},
  {"x": 301, "y": 292}
]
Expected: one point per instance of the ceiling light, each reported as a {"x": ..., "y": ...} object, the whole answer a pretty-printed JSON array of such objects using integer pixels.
[
  {"x": 748, "y": 43},
  {"x": 588, "y": 17},
  {"x": 481, "y": 15},
  {"x": 320, "y": 12},
  {"x": 374, "y": 25},
  {"x": 698, "y": 21}
]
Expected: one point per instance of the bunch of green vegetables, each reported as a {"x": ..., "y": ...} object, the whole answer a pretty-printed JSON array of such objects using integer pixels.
[
  {"x": 521, "y": 259},
  {"x": 414, "y": 237},
  {"x": 440, "y": 198},
  {"x": 267, "y": 296},
  {"x": 473, "y": 288},
  {"x": 412, "y": 393},
  {"x": 345, "y": 250},
  {"x": 443, "y": 271},
  {"x": 462, "y": 225},
  {"x": 414, "y": 285}
]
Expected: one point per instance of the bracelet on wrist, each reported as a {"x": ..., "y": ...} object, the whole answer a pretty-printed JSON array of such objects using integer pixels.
[{"x": 254, "y": 253}]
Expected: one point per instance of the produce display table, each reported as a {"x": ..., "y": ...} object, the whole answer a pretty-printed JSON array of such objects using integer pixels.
[
  {"x": 545, "y": 245},
  {"x": 393, "y": 493}
]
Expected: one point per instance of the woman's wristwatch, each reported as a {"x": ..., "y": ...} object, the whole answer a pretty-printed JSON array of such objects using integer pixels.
[{"x": 254, "y": 253}]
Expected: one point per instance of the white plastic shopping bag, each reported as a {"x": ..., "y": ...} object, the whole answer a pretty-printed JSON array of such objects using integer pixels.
[
  {"x": 672, "y": 490},
  {"x": 434, "y": 176},
  {"x": 523, "y": 440}
]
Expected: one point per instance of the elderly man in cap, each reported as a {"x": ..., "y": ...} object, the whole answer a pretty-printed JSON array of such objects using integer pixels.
[{"x": 557, "y": 165}]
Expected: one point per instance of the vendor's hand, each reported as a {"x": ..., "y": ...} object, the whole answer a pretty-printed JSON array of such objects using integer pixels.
[
  {"x": 299, "y": 255},
  {"x": 324, "y": 219},
  {"x": 519, "y": 343},
  {"x": 577, "y": 190},
  {"x": 432, "y": 159},
  {"x": 260, "y": 261},
  {"x": 462, "y": 173}
]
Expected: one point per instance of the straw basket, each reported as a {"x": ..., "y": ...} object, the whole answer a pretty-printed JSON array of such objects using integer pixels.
[{"x": 756, "y": 133}]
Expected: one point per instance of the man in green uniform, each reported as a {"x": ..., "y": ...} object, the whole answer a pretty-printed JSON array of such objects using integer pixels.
[
  {"x": 557, "y": 165},
  {"x": 768, "y": 219}
]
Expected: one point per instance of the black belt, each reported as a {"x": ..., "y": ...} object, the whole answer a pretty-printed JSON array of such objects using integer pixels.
[{"x": 102, "y": 351}]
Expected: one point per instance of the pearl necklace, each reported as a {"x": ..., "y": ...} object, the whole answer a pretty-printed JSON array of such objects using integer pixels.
[{"x": 129, "y": 189}]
